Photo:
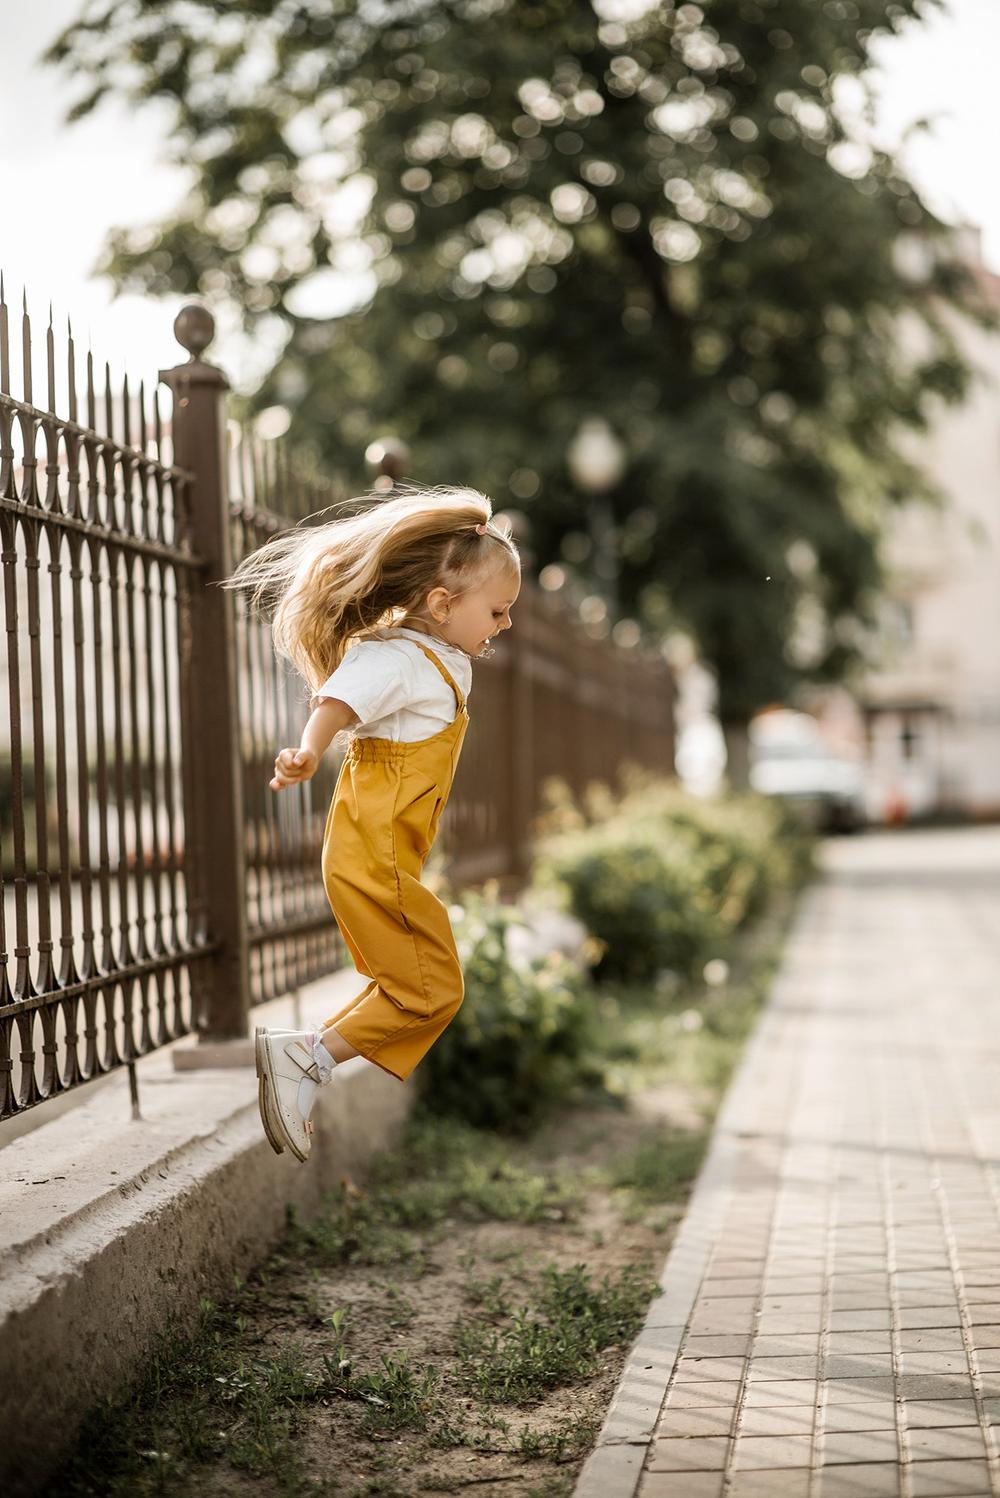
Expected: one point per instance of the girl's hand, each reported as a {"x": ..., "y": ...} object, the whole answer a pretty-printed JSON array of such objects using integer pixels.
[{"x": 293, "y": 766}]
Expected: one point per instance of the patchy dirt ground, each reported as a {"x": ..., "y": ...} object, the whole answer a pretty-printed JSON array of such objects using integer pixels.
[
  {"x": 460, "y": 1321},
  {"x": 468, "y": 1270}
]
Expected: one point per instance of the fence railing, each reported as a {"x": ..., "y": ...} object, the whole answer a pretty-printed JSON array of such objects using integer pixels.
[{"x": 151, "y": 881}]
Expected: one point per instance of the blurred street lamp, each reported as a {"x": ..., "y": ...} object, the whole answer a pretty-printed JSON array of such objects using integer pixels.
[
  {"x": 387, "y": 459},
  {"x": 595, "y": 456},
  {"x": 597, "y": 461}
]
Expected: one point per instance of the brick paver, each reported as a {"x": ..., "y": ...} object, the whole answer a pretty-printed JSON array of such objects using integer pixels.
[{"x": 829, "y": 1323}]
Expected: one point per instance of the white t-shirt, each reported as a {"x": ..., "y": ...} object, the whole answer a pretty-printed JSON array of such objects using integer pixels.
[{"x": 395, "y": 690}]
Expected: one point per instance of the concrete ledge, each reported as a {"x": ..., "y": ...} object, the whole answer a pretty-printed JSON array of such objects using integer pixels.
[
  {"x": 110, "y": 1225},
  {"x": 196, "y": 1054}
]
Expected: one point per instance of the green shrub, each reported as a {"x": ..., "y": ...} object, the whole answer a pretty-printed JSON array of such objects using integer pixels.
[
  {"x": 643, "y": 902},
  {"x": 749, "y": 829},
  {"x": 663, "y": 879},
  {"x": 520, "y": 1043}
]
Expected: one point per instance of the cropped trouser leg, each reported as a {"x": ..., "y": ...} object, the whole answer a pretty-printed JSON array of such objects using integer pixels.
[{"x": 399, "y": 935}]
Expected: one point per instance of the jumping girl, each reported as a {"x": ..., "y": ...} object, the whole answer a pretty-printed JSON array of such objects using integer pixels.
[{"x": 382, "y": 613}]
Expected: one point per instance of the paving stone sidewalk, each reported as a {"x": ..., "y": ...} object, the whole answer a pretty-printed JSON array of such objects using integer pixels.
[{"x": 829, "y": 1325}]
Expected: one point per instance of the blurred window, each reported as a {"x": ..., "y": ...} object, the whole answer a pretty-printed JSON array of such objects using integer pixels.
[{"x": 909, "y": 738}]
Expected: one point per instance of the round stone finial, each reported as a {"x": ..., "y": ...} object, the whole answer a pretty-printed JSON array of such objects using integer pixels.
[{"x": 194, "y": 328}]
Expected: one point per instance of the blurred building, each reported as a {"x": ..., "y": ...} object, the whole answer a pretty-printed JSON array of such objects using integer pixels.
[{"x": 931, "y": 711}]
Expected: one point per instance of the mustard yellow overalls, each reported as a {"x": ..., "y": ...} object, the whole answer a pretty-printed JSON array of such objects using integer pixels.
[{"x": 382, "y": 821}]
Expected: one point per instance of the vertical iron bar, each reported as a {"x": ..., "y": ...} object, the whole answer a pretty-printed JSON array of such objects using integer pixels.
[
  {"x": 212, "y": 739},
  {"x": 520, "y": 729},
  {"x": 133, "y": 1091}
]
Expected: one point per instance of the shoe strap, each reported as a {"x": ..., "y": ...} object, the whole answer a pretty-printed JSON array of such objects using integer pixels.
[{"x": 303, "y": 1058}]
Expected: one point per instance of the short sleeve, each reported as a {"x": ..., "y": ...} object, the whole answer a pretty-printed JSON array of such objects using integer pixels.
[{"x": 373, "y": 678}]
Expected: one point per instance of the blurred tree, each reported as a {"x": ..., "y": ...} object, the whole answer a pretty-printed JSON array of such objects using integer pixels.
[{"x": 665, "y": 220}]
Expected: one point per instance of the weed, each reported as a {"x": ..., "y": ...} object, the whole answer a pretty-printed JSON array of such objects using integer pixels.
[
  {"x": 440, "y": 1169},
  {"x": 571, "y": 1437},
  {"x": 200, "y": 1397},
  {"x": 399, "y": 1309},
  {"x": 398, "y": 1397},
  {"x": 659, "y": 1169},
  {"x": 312, "y": 1307},
  {"x": 556, "y": 1340},
  {"x": 216, "y": 1401},
  {"x": 509, "y": 1254},
  {"x": 489, "y": 1295}
]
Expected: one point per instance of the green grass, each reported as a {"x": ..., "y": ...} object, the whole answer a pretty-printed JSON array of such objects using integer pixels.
[
  {"x": 202, "y": 1397},
  {"x": 398, "y": 1397},
  {"x": 660, "y": 1169},
  {"x": 400, "y": 1309},
  {"x": 209, "y": 1395},
  {"x": 553, "y": 1340},
  {"x": 568, "y": 1438},
  {"x": 232, "y": 1392},
  {"x": 441, "y": 1169},
  {"x": 490, "y": 1297},
  {"x": 690, "y": 1034}
]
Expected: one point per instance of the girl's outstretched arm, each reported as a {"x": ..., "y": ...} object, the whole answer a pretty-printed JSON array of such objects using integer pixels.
[{"x": 326, "y": 720}]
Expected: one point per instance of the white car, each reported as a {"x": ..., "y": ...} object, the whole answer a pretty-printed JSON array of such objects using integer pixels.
[{"x": 790, "y": 758}]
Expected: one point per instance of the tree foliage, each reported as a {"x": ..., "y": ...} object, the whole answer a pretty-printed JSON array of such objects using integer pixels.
[{"x": 658, "y": 214}]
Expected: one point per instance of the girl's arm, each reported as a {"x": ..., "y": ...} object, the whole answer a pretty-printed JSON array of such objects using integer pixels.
[{"x": 326, "y": 720}]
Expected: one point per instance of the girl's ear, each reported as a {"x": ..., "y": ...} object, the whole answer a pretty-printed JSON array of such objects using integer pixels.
[{"x": 439, "y": 601}]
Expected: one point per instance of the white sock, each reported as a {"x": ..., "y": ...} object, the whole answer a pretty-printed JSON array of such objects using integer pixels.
[
  {"x": 306, "y": 1096},
  {"x": 321, "y": 1056}
]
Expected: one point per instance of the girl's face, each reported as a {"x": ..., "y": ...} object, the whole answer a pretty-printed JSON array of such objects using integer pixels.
[{"x": 475, "y": 616}]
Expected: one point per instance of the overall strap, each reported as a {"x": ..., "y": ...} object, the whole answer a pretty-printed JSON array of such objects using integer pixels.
[{"x": 436, "y": 660}]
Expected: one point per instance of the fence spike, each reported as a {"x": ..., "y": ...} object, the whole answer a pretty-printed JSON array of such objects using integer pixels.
[
  {"x": 145, "y": 477},
  {"x": 26, "y": 348},
  {"x": 71, "y": 369},
  {"x": 50, "y": 362},
  {"x": 109, "y": 407},
  {"x": 258, "y": 464},
  {"x": 4, "y": 342},
  {"x": 91, "y": 396}
]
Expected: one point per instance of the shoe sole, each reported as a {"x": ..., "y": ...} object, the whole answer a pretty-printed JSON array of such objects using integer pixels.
[
  {"x": 264, "y": 1107},
  {"x": 273, "y": 1127},
  {"x": 263, "y": 1095}
]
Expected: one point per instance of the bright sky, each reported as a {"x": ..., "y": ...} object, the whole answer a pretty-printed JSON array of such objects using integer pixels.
[{"x": 63, "y": 188}]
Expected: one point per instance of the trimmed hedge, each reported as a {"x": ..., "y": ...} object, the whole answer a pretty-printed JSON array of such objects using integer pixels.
[{"x": 662, "y": 878}]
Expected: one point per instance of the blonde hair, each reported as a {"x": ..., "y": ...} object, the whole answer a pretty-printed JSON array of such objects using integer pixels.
[{"x": 335, "y": 582}]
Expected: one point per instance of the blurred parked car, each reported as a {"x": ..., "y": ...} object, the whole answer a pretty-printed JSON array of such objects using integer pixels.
[{"x": 790, "y": 758}]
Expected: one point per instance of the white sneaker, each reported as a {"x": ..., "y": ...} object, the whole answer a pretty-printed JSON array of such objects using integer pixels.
[
  {"x": 264, "y": 1094},
  {"x": 264, "y": 1104},
  {"x": 289, "y": 1078}
]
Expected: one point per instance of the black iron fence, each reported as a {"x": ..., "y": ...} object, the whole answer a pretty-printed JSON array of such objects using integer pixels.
[{"x": 151, "y": 883}]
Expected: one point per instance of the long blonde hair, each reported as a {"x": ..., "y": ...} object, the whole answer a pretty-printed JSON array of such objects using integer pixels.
[{"x": 335, "y": 582}]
